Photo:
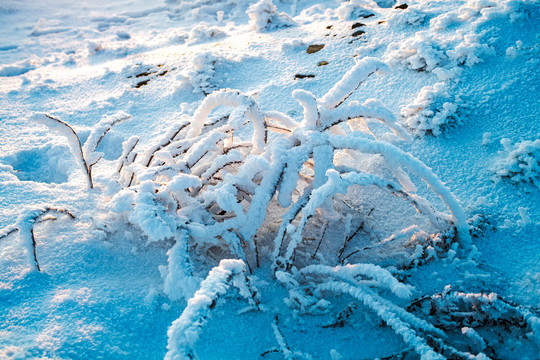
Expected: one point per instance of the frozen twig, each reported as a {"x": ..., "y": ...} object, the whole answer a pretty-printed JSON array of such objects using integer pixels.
[
  {"x": 283, "y": 346},
  {"x": 25, "y": 225},
  {"x": 185, "y": 330}
]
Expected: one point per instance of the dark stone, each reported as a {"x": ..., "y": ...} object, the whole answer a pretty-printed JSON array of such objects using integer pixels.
[
  {"x": 314, "y": 48},
  {"x": 142, "y": 83},
  {"x": 302, "y": 76}
]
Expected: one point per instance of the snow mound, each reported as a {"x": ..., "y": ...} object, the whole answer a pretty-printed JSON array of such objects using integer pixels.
[{"x": 204, "y": 33}]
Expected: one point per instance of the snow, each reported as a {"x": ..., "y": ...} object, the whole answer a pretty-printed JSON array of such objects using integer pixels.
[{"x": 219, "y": 191}]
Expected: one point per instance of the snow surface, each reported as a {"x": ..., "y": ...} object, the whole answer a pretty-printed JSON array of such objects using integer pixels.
[{"x": 448, "y": 92}]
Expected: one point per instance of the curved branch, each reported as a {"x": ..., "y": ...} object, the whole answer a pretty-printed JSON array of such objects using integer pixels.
[{"x": 25, "y": 226}]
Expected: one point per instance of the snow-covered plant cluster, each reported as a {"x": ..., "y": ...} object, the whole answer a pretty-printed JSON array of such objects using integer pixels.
[
  {"x": 218, "y": 183},
  {"x": 203, "y": 33},
  {"x": 354, "y": 9},
  {"x": 205, "y": 176},
  {"x": 420, "y": 53},
  {"x": 263, "y": 15},
  {"x": 201, "y": 73},
  {"x": 520, "y": 162},
  {"x": 244, "y": 186},
  {"x": 434, "y": 111},
  {"x": 436, "y": 107},
  {"x": 407, "y": 17}
]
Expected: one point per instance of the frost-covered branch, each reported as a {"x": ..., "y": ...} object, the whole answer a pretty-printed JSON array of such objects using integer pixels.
[
  {"x": 185, "y": 330},
  {"x": 171, "y": 136},
  {"x": 283, "y": 346},
  {"x": 351, "y": 81},
  {"x": 128, "y": 155},
  {"x": 393, "y": 319},
  {"x": 350, "y": 272}
]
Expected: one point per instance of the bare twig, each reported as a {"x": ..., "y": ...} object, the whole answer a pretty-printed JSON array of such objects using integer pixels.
[
  {"x": 273, "y": 350},
  {"x": 350, "y": 237},
  {"x": 343, "y": 316},
  {"x": 320, "y": 241}
]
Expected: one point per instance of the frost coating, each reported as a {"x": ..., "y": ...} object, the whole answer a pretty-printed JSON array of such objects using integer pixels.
[
  {"x": 179, "y": 280},
  {"x": 151, "y": 215},
  {"x": 351, "y": 81}
]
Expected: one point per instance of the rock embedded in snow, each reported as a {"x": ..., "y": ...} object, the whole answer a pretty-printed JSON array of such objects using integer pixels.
[{"x": 314, "y": 48}]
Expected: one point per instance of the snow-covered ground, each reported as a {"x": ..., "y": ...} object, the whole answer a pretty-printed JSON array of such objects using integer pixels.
[{"x": 146, "y": 212}]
